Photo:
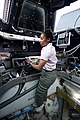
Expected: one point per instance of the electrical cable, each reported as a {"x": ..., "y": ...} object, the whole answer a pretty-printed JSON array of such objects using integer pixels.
[
  {"x": 73, "y": 49},
  {"x": 73, "y": 52}
]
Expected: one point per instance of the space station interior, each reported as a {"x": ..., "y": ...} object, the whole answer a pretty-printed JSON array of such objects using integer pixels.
[{"x": 20, "y": 28}]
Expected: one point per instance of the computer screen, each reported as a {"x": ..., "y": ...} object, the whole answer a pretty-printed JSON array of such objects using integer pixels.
[{"x": 63, "y": 39}]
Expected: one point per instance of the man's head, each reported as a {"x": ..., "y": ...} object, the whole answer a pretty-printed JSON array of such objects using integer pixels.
[{"x": 46, "y": 37}]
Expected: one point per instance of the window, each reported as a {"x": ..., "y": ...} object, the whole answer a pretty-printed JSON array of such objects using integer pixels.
[
  {"x": 73, "y": 6},
  {"x": 4, "y": 10},
  {"x": 32, "y": 17}
]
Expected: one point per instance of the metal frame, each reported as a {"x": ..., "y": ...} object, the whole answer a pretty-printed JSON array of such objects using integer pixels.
[{"x": 71, "y": 101}]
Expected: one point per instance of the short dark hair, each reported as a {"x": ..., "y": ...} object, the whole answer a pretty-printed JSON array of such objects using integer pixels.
[{"x": 48, "y": 34}]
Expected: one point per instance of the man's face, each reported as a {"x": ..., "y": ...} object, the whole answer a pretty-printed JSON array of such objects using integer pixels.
[{"x": 43, "y": 40}]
